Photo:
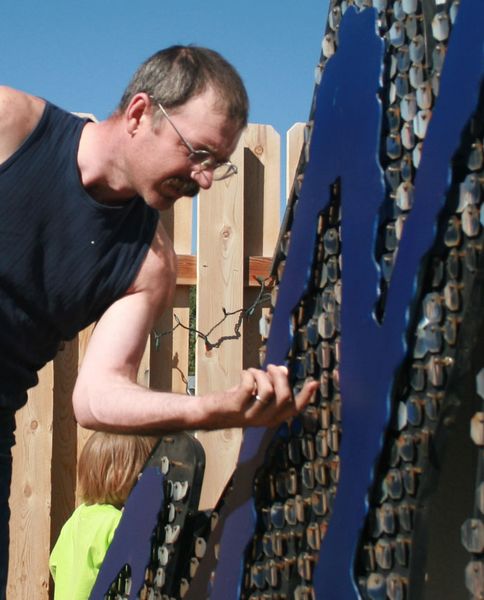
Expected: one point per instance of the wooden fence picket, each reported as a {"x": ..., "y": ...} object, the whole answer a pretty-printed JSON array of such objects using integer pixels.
[
  {"x": 30, "y": 498},
  {"x": 220, "y": 286}
]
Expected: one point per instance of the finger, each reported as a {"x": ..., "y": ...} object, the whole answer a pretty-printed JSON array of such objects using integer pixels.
[
  {"x": 306, "y": 394},
  {"x": 263, "y": 391},
  {"x": 279, "y": 371},
  {"x": 247, "y": 381},
  {"x": 249, "y": 387},
  {"x": 296, "y": 405},
  {"x": 280, "y": 382},
  {"x": 263, "y": 401}
]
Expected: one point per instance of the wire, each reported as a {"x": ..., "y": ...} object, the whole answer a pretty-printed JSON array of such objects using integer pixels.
[{"x": 262, "y": 298}]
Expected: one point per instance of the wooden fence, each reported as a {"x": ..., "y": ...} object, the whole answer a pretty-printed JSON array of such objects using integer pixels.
[{"x": 238, "y": 226}]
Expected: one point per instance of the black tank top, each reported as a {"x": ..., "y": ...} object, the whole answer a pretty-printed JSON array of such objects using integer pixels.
[{"x": 64, "y": 258}]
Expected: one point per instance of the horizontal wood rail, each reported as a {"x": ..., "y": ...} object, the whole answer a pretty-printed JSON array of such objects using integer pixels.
[{"x": 255, "y": 267}]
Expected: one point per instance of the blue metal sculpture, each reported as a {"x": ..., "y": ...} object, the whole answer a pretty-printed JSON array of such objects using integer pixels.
[
  {"x": 345, "y": 145},
  {"x": 385, "y": 238},
  {"x": 132, "y": 542}
]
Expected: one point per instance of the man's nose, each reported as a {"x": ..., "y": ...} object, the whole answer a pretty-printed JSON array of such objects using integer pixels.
[{"x": 203, "y": 178}]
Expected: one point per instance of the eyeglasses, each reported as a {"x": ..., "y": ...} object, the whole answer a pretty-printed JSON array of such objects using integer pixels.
[{"x": 203, "y": 159}]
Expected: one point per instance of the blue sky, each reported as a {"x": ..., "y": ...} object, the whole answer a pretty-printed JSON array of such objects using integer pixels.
[{"x": 81, "y": 55}]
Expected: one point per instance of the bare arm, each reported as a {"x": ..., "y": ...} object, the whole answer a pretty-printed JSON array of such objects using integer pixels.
[
  {"x": 107, "y": 395},
  {"x": 19, "y": 114}
]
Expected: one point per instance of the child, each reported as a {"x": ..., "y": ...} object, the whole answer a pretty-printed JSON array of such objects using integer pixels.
[{"x": 108, "y": 468}]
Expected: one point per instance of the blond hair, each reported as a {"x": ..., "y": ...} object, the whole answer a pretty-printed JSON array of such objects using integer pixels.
[{"x": 109, "y": 466}]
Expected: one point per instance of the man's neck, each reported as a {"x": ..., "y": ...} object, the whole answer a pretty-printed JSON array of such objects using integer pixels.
[{"x": 100, "y": 161}]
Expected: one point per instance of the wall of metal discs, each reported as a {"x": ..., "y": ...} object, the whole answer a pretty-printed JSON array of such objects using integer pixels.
[{"x": 423, "y": 535}]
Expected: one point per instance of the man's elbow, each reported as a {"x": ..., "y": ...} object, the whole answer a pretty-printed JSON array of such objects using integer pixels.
[{"x": 83, "y": 410}]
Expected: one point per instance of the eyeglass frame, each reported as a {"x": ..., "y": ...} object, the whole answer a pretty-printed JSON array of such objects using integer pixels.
[{"x": 202, "y": 158}]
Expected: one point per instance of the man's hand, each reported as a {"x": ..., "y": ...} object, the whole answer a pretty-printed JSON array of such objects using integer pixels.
[{"x": 264, "y": 398}]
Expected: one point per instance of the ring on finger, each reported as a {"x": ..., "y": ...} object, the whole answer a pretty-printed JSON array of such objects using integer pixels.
[{"x": 257, "y": 398}]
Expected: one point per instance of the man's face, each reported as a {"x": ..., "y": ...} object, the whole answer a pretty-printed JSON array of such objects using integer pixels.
[{"x": 161, "y": 169}]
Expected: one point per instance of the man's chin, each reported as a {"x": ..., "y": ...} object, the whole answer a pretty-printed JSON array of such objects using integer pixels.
[
  {"x": 174, "y": 196},
  {"x": 161, "y": 201}
]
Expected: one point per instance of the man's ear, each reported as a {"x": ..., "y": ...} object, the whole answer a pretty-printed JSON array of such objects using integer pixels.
[{"x": 138, "y": 108}]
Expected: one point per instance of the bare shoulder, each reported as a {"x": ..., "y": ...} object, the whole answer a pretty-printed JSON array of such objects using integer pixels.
[
  {"x": 19, "y": 114},
  {"x": 157, "y": 276}
]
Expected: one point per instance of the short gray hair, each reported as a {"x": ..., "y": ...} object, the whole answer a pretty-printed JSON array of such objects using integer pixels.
[{"x": 176, "y": 74}]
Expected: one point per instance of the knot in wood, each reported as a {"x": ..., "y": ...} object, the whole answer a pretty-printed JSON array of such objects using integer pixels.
[
  {"x": 226, "y": 232},
  {"x": 259, "y": 150},
  {"x": 227, "y": 435}
]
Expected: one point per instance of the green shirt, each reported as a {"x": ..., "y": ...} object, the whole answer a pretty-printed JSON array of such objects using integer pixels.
[{"x": 79, "y": 552}]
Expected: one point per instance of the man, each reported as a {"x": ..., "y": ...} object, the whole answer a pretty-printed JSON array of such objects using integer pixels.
[{"x": 80, "y": 241}]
